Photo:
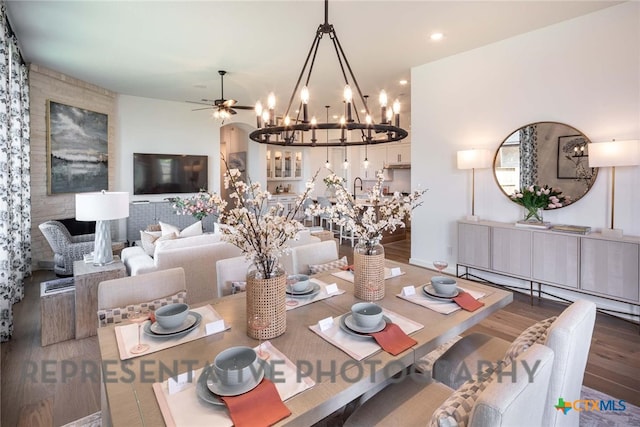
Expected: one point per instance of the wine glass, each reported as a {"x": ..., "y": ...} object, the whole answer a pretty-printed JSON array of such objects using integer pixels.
[
  {"x": 440, "y": 265},
  {"x": 139, "y": 316},
  {"x": 259, "y": 323}
]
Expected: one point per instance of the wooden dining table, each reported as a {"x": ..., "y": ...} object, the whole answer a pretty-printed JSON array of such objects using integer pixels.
[{"x": 339, "y": 378}]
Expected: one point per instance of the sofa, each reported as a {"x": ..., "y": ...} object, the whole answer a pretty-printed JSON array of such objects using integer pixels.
[{"x": 197, "y": 255}]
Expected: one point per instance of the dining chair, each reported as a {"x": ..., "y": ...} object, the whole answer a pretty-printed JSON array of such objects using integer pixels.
[
  {"x": 231, "y": 270},
  {"x": 134, "y": 290},
  {"x": 499, "y": 399},
  {"x": 325, "y": 218},
  {"x": 298, "y": 259},
  {"x": 347, "y": 234},
  {"x": 569, "y": 336}
]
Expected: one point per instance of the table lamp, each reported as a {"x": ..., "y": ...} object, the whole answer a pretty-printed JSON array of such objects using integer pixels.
[
  {"x": 473, "y": 159},
  {"x": 614, "y": 153},
  {"x": 102, "y": 207}
]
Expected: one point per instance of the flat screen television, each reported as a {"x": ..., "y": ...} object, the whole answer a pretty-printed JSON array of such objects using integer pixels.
[{"x": 169, "y": 173}]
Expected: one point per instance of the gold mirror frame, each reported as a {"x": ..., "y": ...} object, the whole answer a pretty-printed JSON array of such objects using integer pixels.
[{"x": 555, "y": 154}]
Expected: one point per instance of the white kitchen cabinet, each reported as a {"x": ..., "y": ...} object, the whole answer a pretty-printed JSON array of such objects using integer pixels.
[
  {"x": 283, "y": 164},
  {"x": 398, "y": 153}
]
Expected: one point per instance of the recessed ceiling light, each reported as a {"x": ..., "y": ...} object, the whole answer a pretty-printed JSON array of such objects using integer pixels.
[
  {"x": 436, "y": 36},
  {"x": 403, "y": 82},
  {"x": 335, "y": 116}
]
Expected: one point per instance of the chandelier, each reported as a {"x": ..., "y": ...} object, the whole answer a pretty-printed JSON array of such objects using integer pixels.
[{"x": 301, "y": 130}]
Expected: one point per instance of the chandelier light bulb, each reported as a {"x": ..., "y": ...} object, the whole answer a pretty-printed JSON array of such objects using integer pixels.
[
  {"x": 304, "y": 95},
  {"x": 314, "y": 121},
  {"x": 343, "y": 121},
  {"x": 368, "y": 119},
  {"x": 271, "y": 101},
  {"x": 258, "y": 109},
  {"x": 396, "y": 107},
  {"x": 383, "y": 98},
  {"x": 348, "y": 93},
  {"x": 266, "y": 116},
  {"x": 389, "y": 115},
  {"x": 287, "y": 121}
]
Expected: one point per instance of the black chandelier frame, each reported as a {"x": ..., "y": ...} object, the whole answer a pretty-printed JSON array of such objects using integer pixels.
[{"x": 274, "y": 133}]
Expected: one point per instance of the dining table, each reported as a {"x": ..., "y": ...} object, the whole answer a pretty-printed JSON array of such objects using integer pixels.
[{"x": 338, "y": 376}]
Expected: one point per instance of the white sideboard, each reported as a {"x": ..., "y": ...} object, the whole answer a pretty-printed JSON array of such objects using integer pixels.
[{"x": 591, "y": 264}]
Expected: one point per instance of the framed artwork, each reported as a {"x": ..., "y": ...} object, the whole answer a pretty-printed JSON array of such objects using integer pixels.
[
  {"x": 573, "y": 157},
  {"x": 77, "y": 149},
  {"x": 239, "y": 161}
]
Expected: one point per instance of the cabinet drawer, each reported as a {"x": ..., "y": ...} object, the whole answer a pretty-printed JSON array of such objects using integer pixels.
[
  {"x": 511, "y": 251},
  {"x": 473, "y": 245}
]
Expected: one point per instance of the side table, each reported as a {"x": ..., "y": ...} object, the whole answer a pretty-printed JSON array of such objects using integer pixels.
[{"x": 87, "y": 278}]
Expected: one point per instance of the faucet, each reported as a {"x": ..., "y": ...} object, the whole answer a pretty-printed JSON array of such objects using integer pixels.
[{"x": 354, "y": 185}]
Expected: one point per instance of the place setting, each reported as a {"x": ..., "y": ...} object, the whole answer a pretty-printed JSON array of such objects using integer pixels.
[
  {"x": 169, "y": 325},
  {"x": 366, "y": 329},
  {"x": 442, "y": 294},
  {"x": 347, "y": 273},
  {"x": 301, "y": 290},
  {"x": 238, "y": 388}
]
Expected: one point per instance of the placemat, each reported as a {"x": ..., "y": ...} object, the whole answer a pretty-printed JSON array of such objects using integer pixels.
[
  {"x": 348, "y": 275},
  {"x": 184, "y": 408},
  {"x": 127, "y": 335},
  {"x": 293, "y": 303},
  {"x": 444, "y": 306},
  {"x": 359, "y": 347}
]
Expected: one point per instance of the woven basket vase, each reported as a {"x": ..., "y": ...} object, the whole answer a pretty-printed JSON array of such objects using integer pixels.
[
  {"x": 368, "y": 279},
  {"x": 267, "y": 298}
]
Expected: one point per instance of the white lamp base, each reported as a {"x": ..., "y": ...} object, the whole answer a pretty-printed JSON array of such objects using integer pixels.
[
  {"x": 474, "y": 218},
  {"x": 612, "y": 232},
  {"x": 102, "y": 252}
]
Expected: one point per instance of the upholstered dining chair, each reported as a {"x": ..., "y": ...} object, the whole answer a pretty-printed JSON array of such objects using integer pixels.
[
  {"x": 298, "y": 259},
  {"x": 493, "y": 401},
  {"x": 231, "y": 270},
  {"x": 119, "y": 293},
  {"x": 569, "y": 336}
]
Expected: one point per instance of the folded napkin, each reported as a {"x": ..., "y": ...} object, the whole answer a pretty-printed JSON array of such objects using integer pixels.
[
  {"x": 393, "y": 340},
  {"x": 467, "y": 302},
  {"x": 259, "y": 407},
  {"x": 443, "y": 306},
  {"x": 347, "y": 267}
]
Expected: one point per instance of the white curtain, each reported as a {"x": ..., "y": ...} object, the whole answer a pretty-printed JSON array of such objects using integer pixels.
[{"x": 15, "y": 187}]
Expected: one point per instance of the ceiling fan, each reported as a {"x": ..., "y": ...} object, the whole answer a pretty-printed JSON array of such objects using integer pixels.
[{"x": 222, "y": 107}]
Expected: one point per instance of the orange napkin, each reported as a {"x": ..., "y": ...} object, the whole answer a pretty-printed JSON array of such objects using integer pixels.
[
  {"x": 467, "y": 302},
  {"x": 393, "y": 340},
  {"x": 259, "y": 407},
  {"x": 347, "y": 267}
]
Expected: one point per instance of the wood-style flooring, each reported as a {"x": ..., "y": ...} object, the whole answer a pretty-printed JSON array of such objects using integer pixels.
[{"x": 34, "y": 393}]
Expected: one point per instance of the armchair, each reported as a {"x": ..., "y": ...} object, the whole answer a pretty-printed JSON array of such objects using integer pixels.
[{"x": 66, "y": 248}]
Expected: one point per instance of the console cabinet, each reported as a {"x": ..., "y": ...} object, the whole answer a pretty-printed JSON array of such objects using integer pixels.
[
  {"x": 142, "y": 214},
  {"x": 590, "y": 264}
]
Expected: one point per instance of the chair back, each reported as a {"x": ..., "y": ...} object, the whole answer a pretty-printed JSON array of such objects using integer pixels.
[
  {"x": 231, "y": 270},
  {"x": 518, "y": 397},
  {"x": 56, "y": 235},
  {"x": 570, "y": 339},
  {"x": 314, "y": 253},
  {"x": 142, "y": 288}
]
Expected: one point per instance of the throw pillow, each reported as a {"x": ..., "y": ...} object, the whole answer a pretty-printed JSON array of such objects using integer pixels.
[
  {"x": 168, "y": 229},
  {"x": 536, "y": 333},
  {"x": 116, "y": 315},
  {"x": 194, "y": 229},
  {"x": 148, "y": 240},
  {"x": 153, "y": 227},
  {"x": 456, "y": 409},
  {"x": 237, "y": 287},
  {"x": 319, "y": 268}
]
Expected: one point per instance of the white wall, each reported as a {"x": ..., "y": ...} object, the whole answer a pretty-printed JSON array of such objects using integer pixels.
[{"x": 583, "y": 72}]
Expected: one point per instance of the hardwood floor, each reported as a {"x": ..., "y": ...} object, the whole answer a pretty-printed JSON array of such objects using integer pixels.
[{"x": 34, "y": 393}]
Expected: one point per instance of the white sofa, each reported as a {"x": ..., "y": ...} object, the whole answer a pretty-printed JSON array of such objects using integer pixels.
[{"x": 197, "y": 255}]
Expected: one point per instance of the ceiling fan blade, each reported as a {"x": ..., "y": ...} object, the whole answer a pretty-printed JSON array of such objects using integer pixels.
[
  {"x": 199, "y": 103},
  {"x": 243, "y": 107},
  {"x": 230, "y": 111},
  {"x": 228, "y": 103},
  {"x": 205, "y": 108}
]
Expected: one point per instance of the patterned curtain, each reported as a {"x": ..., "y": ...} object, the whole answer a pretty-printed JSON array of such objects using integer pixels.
[
  {"x": 15, "y": 189},
  {"x": 528, "y": 156}
]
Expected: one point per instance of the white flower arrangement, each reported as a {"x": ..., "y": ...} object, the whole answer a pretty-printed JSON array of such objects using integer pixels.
[
  {"x": 376, "y": 214},
  {"x": 258, "y": 230}
]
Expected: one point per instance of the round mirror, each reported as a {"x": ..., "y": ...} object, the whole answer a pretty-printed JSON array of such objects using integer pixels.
[{"x": 545, "y": 153}]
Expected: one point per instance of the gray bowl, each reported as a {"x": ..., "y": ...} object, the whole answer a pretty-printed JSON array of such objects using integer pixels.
[
  {"x": 298, "y": 282},
  {"x": 366, "y": 314},
  {"x": 445, "y": 286},
  {"x": 171, "y": 315},
  {"x": 235, "y": 365}
]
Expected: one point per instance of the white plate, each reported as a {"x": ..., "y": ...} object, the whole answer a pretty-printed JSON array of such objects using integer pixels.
[
  {"x": 313, "y": 292},
  {"x": 351, "y": 324},
  {"x": 188, "y": 322},
  {"x": 430, "y": 291},
  {"x": 309, "y": 290},
  {"x": 349, "y": 331},
  {"x": 210, "y": 389},
  {"x": 147, "y": 328}
]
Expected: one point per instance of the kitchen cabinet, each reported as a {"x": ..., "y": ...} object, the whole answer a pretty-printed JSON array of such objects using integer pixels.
[
  {"x": 284, "y": 164},
  {"x": 287, "y": 201},
  {"x": 398, "y": 153}
]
